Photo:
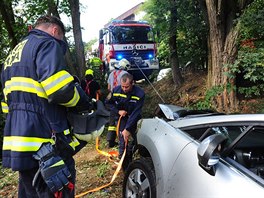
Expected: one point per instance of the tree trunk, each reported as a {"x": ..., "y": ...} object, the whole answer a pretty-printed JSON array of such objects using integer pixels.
[
  {"x": 9, "y": 20},
  {"x": 174, "y": 60},
  {"x": 222, "y": 36},
  {"x": 223, "y": 49},
  {"x": 216, "y": 45},
  {"x": 229, "y": 55},
  {"x": 53, "y": 10},
  {"x": 77, "y": 34}
]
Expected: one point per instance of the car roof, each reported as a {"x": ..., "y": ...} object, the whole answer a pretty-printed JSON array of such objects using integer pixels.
[{"x": 242, "y": 119}]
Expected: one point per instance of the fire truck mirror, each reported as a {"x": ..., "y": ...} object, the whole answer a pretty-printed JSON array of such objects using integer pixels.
[{"x": 101, "y": 34}]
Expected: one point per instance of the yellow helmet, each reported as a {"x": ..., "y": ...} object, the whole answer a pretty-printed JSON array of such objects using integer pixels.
[{"x": 89, "y": 72}]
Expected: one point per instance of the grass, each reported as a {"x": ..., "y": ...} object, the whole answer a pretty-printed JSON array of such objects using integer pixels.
[
  {"x": 8, "y": 178},
  {"x": 102, "y": 169}
]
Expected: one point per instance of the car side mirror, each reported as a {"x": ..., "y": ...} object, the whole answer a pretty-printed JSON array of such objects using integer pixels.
[{"x": 209, "y": 152}]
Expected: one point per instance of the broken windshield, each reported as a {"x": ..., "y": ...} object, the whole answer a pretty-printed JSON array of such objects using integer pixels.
[{"x": 132, "y": 34}]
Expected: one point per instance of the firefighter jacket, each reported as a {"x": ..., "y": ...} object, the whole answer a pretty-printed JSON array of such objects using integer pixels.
[
  {"x": 131, "y": 102},
  {"x": 37, "y": 90},
  {"x": 95, "y": 62}
]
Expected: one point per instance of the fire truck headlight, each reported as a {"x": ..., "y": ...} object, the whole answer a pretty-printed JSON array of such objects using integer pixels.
[
  {"x": 119, "y": 56},
  {"x": 150, "y": 56}
]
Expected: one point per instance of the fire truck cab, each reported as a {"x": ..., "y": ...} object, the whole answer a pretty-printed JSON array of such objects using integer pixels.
[{"x": 132, "y": 40}]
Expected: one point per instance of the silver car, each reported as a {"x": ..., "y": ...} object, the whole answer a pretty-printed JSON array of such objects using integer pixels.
[{"x": 197, "y": 154}]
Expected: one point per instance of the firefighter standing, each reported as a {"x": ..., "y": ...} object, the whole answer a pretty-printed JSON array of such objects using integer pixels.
[
  {"x": 113, "y": 81},
  {"x": 90, "y": 86},
  {"x": 115, "y": 76},
  {"x": 127, "y": 101},
  {"x": 38, "y": 90},
  {"x": 95, "y": 62}
]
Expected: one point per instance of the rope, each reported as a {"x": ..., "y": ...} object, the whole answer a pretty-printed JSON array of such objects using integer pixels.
[
  {"x": 112, "y": 180},
  {"x": 149, "y": 82},
  {"x": 109, "y": 154}
]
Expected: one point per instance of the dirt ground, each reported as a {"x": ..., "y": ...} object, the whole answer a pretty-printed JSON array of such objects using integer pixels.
[{"x": 94, "y": 170}]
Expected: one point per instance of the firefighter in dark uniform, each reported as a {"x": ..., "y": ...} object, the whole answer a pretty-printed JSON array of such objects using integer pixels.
[
  {"x": 38, "y": 91},
  {"x": 90, "y": 86},
  {"x": 127, "y": 101},
  {"x": 114, "y": 80}
]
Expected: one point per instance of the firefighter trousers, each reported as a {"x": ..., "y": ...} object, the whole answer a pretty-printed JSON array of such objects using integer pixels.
[{"x": 111, "y": 133}]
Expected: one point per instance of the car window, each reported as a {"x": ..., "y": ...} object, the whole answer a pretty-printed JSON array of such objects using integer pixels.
[
  {"x": 255, "y": 138},
  {"x": 247, "y": 150},
  {"x": 231, "y": 132}
]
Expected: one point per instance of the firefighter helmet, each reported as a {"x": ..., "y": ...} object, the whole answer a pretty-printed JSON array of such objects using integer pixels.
[
  {"x": 89, "y": 72},
  {"x": 123, "y": 64}
]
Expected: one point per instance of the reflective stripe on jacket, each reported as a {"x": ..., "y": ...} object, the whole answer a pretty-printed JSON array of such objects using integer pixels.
[
  {"x": 4, "y": 107},
  {"x": 37, "y": 89}
]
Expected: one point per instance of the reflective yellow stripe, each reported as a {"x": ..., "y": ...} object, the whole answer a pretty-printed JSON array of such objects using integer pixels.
[
  {"x": 111, "y": 128},
  {"x": 119, "y": 94},
  {"x": 125, "y": 96},
  {"x": 59, "y": 163},
  {"x": 56, "y": 82},
  {"x": 66, "y": 132},
  {"x": 24, "y": 144},
  {"x": 24, "y": 84},
  {"x": 74, "y": 142},
  {"x": 135, "y": 97},
  {"x": 4, "y": 107},
  {"x": 74, "y": 100}
]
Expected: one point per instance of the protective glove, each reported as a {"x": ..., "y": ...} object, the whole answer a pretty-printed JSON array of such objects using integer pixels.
[{"x": 52, "y": 168}]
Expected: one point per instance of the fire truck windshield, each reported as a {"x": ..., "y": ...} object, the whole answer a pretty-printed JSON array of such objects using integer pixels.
[{"x": 132, "y": 34}]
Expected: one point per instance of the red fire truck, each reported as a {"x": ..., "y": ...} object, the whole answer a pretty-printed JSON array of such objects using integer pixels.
[{"x": 132, "y": 40}]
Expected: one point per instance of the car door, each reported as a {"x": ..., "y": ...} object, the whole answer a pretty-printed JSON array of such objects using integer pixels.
[{"x": 231, "y": 179}]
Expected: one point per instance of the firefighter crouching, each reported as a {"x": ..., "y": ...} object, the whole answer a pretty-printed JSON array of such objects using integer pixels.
[
  {"x": 38, "y": 90},
  {"x": 127, "y": 101}
]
